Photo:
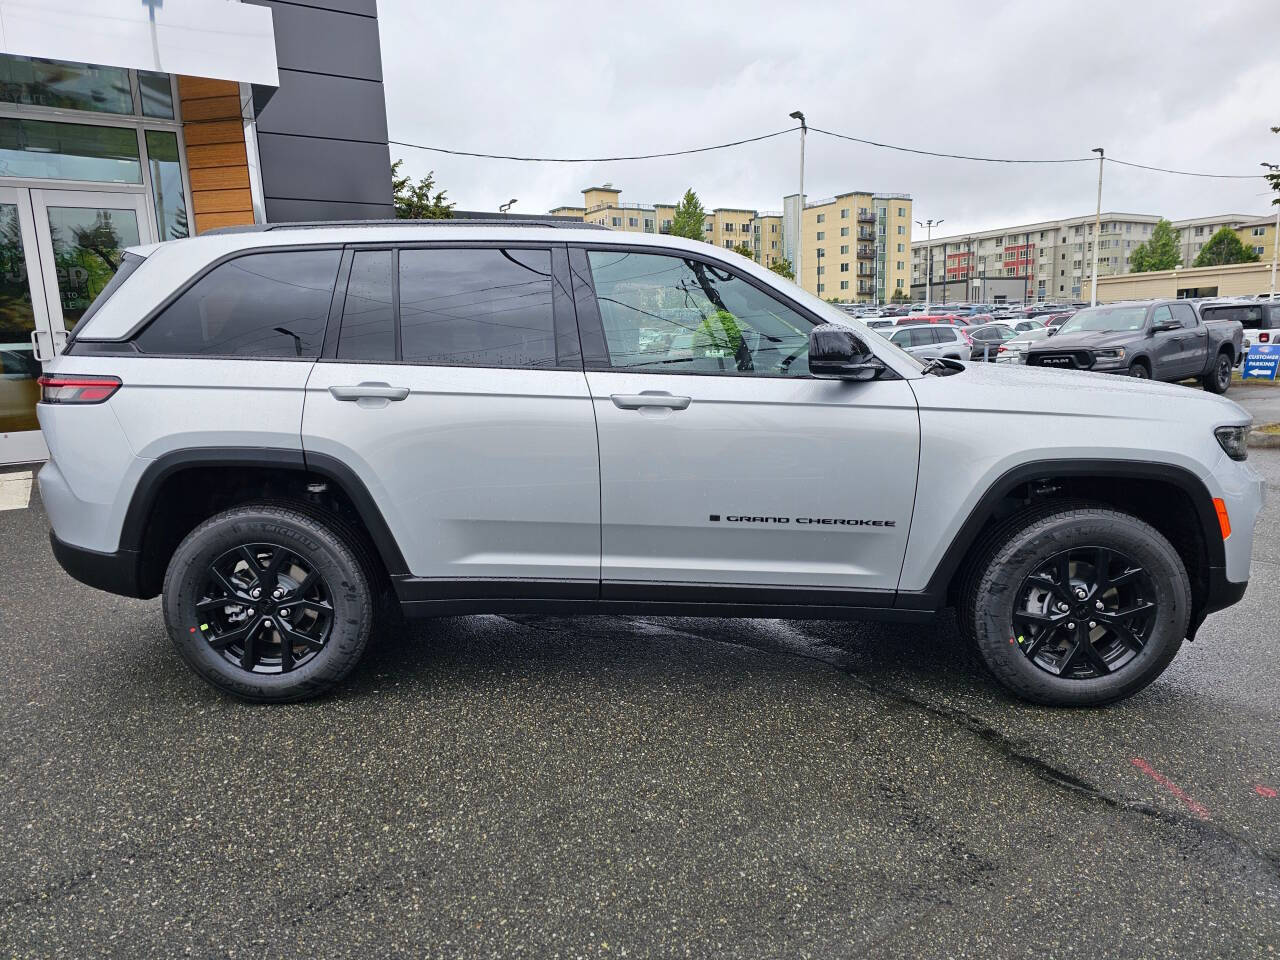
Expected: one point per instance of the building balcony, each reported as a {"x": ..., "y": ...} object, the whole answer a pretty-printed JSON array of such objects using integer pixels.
[
  {"x": 866, "y": 253},
  {"x": 866, "y": 216},
  {"x": 864, "y": 234}
]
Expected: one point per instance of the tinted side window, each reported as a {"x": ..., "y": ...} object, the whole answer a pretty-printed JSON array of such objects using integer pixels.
[
  {"x": 260, "y": 305},
  {"x": 478, "y": 307},
  {"x": 1161, "y": 314},
  {"x": 1185, "y": 314},
  {"x": 922, "y": 337},
  {"x": 680, "y": 315},
  {"x": 368, "y": 316}
]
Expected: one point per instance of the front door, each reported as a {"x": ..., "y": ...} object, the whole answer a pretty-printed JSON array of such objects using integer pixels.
[
  {"x": 725, "y": 468},
  {"x": 58, "y": 249}
]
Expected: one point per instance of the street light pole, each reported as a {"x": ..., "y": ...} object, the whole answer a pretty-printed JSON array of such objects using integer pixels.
[
  {"x": 505, "y": 208},
  {"x": 1097, "y": 230},
  {"x": 1275, "y": 246},
  {"x": 928, "y": 260},
  {"x": 804, "y": 129}
]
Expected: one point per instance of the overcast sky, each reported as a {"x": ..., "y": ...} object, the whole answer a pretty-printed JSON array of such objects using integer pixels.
[{"x": 1191, "y": 85}]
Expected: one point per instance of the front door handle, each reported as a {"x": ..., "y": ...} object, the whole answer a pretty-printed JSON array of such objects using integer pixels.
[
  {"x": 641, "y": 401},
  {"x": 369, "y": 391}
]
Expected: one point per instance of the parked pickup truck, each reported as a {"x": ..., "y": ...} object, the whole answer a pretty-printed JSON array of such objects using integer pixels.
[{"x": 1152, "y": 340}]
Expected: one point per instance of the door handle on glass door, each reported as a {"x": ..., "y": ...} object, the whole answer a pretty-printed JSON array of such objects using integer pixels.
[
  {"x": 369, "y": 391},
  {"x": 640, "y": 401}
]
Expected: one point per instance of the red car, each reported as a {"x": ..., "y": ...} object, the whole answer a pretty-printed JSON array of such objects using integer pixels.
[{"x": 954, "y": 319}]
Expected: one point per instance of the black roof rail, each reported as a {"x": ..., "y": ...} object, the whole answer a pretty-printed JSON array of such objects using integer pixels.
[{"x": 461, "y": 222}]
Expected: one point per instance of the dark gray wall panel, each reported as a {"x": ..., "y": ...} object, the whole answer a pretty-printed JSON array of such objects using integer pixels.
[
  {"x": 326, "y": 41},
  {"x": 304, "y": 168},
  {"x": 318, "y": 106},
  {"x": 290, "y": 211},
  {"x": 366, "y": 8}
]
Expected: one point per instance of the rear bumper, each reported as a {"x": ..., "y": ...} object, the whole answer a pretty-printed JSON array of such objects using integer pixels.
[{"x": 113, "y": 572}]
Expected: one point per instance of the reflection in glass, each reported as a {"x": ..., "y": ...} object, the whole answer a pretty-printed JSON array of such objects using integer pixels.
[
  {"x": 68, "y": 151},
  {"x": 166, "y": 184},
  {"x": 157, "y": 95},
  {"x": 87, "y": 246},
  {"x": 66, "y": 86},
  {"x": 18, "y": 366}
]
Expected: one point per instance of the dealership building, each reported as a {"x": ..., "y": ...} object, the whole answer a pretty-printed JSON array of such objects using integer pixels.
[{"x": 126, "y": 122}]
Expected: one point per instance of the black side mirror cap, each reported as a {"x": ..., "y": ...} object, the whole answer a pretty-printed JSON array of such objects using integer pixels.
[{"x": 837, "y": 353}]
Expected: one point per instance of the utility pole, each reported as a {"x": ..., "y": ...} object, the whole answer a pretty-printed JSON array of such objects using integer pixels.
[
  {"x": 804, "y": 129},
  {"x": 1097, "y": 229},
  {"x": 928, "y": 261},
  {"x": 1275, "y": 247}
]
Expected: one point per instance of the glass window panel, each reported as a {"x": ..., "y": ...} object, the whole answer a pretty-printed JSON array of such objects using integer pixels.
[
  {"x": 368, "y": 320},
  {"x": 683, "y": 316},
  {"x": 260, "y": 305},
  {"x": 68, "y": 151},
  {"x": 18, "y": 366},
  {"x": 488, "y": 308},
  {"x": 157, "y": 95},
  {"x": 65, "y": 86},
  {"x": 88, "y": 248},
  {"x": 166, "y": 184}
]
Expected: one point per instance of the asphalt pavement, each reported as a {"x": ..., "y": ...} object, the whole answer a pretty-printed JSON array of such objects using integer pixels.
[{"x": 541, "y": 787}]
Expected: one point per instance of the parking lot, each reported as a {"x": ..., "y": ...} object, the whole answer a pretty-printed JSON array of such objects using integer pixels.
[{"x": 530, "y": 786}]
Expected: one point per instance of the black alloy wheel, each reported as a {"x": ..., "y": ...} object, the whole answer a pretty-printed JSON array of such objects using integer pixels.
[
  {"x": 1140, "y": 371},
  {"x": 1085, "y": 612},
  {"x": 264, "y": 608},
  {"x": 1221, "y": 374}
]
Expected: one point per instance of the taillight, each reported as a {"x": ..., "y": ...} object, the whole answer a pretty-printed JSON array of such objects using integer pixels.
[
  {"x": 81, "y": 388},
  {"x": 1264, "y": 337}
]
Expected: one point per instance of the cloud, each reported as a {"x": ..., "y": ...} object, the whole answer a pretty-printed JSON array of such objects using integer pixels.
[{"x": 1180, "y": 84}]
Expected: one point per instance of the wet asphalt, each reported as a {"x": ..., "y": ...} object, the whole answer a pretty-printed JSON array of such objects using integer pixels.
[{"x": 539, "y": 787}]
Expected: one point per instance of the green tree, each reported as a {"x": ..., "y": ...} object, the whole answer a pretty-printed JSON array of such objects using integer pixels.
[
  {"x": 1273, "y": 175},
  {"x": 783, "y": 268},
  {"x": 1160, "y": 252},
  {"x": 744, "y": 251},
  {"x": 415, "y": 201},
  {"x": 689, "y": 217},
  {"x": 899, "y": 296},
  {"x": 721, "y": 336},
  {"x": 1224, "y": 247}
]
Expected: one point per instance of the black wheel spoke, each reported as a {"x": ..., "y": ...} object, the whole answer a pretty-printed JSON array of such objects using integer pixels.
[
  {"x": 1128, "y": 575},
  {"x": 214, "y": 603},
  {"x": 220, "y": 641},
  {"x": 1048, "y": 583},
  {"x": 1039, "y": 640},
  {"x": 296, "y": 636},
  {"x": 1091, "y": 654},
  {"x": 286, "y": 648},
  {"x": 1063, "y": 574},
  {"x": 233, "y": 592},
  {"x": 1127, "y": 637},
  {"x": 1101, "y": 571},
  {"x": 255, "y": 569},
  {"x": 1068, "y": 659},
  {"x": 319, "y": 607},
  {"x": 273, "y": 567},
  {"x": 302, "y": 589},
  {"x": 250, "y": 655},
  {"x": 1039, "y": 619},
  {"x": 1126, "y": 613}
]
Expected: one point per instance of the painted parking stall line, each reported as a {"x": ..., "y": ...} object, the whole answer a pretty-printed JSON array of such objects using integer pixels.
[{"x": 15, "y": 490}]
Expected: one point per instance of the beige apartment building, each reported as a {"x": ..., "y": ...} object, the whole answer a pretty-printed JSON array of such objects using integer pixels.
[
  {"x": 1193, "y": 234},
  {"x": 1259, "y": 235},
  {"x": 726, "y": 227},
  {"x": 854, "y": 247},
  {"x": 1053, "y": 259}
]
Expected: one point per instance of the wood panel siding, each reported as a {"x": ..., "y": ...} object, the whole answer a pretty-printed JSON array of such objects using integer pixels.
[{"x": 217, "y": 163}]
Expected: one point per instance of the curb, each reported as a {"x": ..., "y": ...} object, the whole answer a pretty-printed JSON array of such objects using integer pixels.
[{"x": 1264, "y": 441}]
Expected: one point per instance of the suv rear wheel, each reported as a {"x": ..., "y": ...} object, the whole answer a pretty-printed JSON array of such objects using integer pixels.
[
  {"x": 268, "y": 603},
  {"x": 1082, "y": 607}
]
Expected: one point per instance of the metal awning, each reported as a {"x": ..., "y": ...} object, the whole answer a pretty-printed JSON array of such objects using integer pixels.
[{"x": 220, "y": 39}]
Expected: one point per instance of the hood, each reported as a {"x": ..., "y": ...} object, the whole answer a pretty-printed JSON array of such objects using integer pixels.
[{"x": 1089, "y": 339}]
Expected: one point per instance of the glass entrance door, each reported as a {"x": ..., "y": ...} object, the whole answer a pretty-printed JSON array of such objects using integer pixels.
[
  {"x": 58, "y": 249},
  {"x": 23, "y": 313}
]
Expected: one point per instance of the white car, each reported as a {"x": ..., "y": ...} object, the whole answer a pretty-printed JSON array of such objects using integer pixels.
[{"x": 1015, "y": 351}]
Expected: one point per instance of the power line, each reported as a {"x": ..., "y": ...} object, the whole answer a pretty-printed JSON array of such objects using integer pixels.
[
  {"x": 1188, "y": 173},
  {"x": 949, "y": 156},
  {"x": 645, "y": 156}
]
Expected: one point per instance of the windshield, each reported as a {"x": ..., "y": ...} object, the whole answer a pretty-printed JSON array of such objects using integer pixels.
[{"x": 1106, "y": 320}]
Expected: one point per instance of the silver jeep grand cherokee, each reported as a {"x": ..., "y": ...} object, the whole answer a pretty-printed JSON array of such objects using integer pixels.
[{"x": 295, "y": 433}]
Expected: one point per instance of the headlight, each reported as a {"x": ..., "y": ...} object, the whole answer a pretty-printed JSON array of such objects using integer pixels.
[
  {"x": 1234, "y": 440},
  {"x": 1115, "y": 353}
]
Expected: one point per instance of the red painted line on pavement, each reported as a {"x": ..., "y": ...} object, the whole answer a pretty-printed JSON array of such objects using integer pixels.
[{"x": 1172, "y": 787}]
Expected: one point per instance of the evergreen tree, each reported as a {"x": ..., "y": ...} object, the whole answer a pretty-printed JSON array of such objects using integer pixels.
[
  {"x": 783, "y": 268},
  {"x": 689, "y": 217},
  {"x": 415, "y": 201}
]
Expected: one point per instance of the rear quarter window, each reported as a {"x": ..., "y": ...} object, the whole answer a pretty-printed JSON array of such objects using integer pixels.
[{"x": 271, "y": 304}]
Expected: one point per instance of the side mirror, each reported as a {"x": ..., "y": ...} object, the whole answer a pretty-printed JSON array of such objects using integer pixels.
[
  {"x": 1165, "y": 326},
  {"x": 1052, "y": 331},
  {"x": 836, "y": 353}
]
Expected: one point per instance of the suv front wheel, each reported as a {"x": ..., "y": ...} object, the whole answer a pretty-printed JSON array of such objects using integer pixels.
[
  {"x": 268, "y": 603},
  {"x": 1082, "y": 607}
]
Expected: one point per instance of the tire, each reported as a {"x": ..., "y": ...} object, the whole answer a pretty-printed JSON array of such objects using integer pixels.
[
  {"x": 1098, "y": 665},
  {"x": 1140, "y": 370},
  {"x": 327, "y": 605},
  {"x": 1218, "y": 380}
]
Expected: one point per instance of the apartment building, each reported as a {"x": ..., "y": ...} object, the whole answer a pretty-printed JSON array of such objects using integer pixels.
[
  {"x": 854, "y": 246},
  {"x": 1053, "y": 258},
  {"x": 725, "y": 227},
  {"x": 1259, "y": 235},
  {"x": 1193, "y": 234}
]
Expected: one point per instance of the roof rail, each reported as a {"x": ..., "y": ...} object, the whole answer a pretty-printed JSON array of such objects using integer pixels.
[{"x": 467, "y": 222}]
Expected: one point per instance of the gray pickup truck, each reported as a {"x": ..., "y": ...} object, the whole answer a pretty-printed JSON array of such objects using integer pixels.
[{"x": 1152, "y": 339}]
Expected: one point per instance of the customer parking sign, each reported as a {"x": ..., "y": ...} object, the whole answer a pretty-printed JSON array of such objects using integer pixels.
[{"x": 1260, "y": 362}]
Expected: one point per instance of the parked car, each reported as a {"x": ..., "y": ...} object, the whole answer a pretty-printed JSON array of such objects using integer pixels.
[
  {"x": 932, "y": 340},
  {"x": 1260, "y": 319},
  {"x": 879, "y": 323},
  {"x": 1015, "y": 350},
  {"x": 289, "y": 432},
  {"x": 1157, "y": 340},
  {"x": 985, "y": 340},
  {"x": 947, "y": 318}
]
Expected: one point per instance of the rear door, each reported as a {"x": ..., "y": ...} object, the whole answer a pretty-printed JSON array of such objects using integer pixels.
[
  {"x": 454, "y": 388},
  {"x": 727, "y": 471}
]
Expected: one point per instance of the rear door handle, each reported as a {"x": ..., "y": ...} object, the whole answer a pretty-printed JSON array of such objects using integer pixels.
[
  {"x": 641, "y": 401},
  {"x": 369, "y": 391}
]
